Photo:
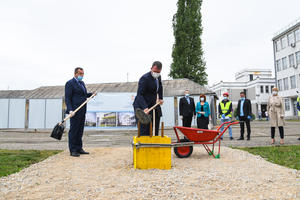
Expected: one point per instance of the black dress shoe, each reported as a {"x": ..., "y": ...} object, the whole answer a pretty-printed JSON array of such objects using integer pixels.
[
  {"x": 240, "y": 138},
  {"x": 248, "y": 138},
  {"x": 221, "y": 138},
  {"x": 74, "y": 154},
  {"x": 299, "y": 138},
  {"x": 231, "y": 138},
  {"x": 83, "y": 152}
]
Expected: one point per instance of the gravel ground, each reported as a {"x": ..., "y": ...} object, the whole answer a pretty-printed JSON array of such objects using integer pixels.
[{"x": 107, "y": 173}]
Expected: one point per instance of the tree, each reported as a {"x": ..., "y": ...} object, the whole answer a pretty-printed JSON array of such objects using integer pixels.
[{"x": 188, "y": 61}]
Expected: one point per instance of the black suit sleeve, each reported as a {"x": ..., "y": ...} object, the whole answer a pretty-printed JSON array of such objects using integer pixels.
[
  {"x": 68, "y": 96},
  {"x": 180, "y": 106},
  {"x": 193, "y": 104},
  {"x": 238, "y": 108},
  {"x": 141, "y": 92},
  {"x": 160, "y": 89}
]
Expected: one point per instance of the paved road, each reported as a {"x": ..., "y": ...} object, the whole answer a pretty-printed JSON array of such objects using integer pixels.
[{"x": 20, "y": 139}]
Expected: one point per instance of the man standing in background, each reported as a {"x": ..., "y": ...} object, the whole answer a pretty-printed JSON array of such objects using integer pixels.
[
  {"x": 225, "y": 112},
  {"x": 244, "y": 113},
  {"x": 186, "y": 109},
  {"x": 75, "y": 95}
]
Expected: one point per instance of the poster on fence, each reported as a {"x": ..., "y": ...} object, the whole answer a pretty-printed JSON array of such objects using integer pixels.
[{"x": 109, "y": 110}]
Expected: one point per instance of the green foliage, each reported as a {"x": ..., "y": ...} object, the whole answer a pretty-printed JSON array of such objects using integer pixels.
[
  {"x": 282, "y": 155},
  {"x": 188, "y": 61},
  {"x": 12, "y": 161}
]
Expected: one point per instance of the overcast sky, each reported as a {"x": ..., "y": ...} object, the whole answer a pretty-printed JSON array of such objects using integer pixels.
[{"x": 42, "y": 41}]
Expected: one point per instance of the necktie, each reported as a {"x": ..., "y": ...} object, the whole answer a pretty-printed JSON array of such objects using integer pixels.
[
  {"x": 82, "y": 85},
  {"x": 157, "y": 84}
]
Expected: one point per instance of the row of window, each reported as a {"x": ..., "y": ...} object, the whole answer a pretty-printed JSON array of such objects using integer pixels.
[
  {"x": 283, "y": 84},
  {"x": 265, "y": 89},
  {"x": 281, "y": 64},
  {"x": 288, "y": 40}
]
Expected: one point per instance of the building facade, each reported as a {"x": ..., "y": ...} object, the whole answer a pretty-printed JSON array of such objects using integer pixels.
[
  {"x": 286, "y": 47},
  {"x": 257, "y": 85}
]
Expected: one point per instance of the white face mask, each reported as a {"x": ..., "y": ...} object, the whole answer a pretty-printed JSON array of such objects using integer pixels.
[
  {"x": 274, "y": 93},
  {"x": 154, "y": 74},
  {"x": 201, "y": 99}
]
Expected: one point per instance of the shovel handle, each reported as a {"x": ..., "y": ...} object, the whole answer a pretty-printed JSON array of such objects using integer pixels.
[
  {"x": 87, "y": 100},
  {"x": 153, "y": 107}
]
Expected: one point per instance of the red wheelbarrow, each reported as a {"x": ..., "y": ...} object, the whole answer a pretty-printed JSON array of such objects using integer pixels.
[{"x": 183, "y": 148}]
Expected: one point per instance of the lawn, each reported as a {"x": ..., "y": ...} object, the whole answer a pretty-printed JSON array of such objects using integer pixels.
[
  {"x": 288, "y": 156},
  {"x": 12, "y": 161}
]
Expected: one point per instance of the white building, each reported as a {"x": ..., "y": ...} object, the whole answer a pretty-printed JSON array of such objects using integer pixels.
[
  {"x": 257, "y": 85},
  {"x": 286, "y": 46}
]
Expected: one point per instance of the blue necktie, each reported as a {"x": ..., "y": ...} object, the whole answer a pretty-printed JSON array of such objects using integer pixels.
[
  {"x": 82, "y": 85},
  {"x": 157, "y": 85}
]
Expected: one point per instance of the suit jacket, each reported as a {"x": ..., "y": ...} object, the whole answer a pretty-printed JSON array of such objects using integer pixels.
[
  {"x": 147, "y": 92},
  {"x": 186, "y": 109},
  {"x": 75, "y": 95},
  {"x": 246, "y": 108}
]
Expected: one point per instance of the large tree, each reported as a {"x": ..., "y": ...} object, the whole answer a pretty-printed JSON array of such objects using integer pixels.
[{"x": 188, "y": 61}]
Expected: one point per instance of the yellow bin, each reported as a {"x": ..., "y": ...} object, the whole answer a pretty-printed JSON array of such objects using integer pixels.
[{"x": 152, "y": 157}]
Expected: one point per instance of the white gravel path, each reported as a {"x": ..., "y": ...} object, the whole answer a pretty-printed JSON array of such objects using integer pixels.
[{"x": 107, "y": 173}]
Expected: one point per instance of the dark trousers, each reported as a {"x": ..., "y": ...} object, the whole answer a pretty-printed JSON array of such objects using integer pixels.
[
  {"x": 187, "y": 121},
  {"x": 202, "y": 122},
  {"x": 244, "y": 120},
  {"x": 76, "y": 131},
  {"x": 145, "y": 128},
  {"x": 281, "y": 132}
]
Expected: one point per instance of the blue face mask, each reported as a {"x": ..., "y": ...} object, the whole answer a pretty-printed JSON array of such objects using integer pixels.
[
  {"x": 243, "y": 98},
  {"x": 225, "y": 98},
  {"x": 79, "y": 78},
  {"x": 187, "y": 95}
]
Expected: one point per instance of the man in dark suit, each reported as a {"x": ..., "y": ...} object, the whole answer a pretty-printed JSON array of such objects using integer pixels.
[
  {"x": 149, "y": 92},
  {"x": 244, "y": 114},
  {"x": 186, "y": 109},
  {"x": 75, "y": 95}
]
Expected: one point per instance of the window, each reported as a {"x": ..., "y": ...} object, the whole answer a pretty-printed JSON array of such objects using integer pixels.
[
  {"x": 284, "y": 63},
  {"x": 297, "y": 35},
  {"x": 287, "y": 104},
  {"x": 292, "y": 60},
  {"x": 298, "y": 58},
  {"x": 267, "y": 89},
  {"x": 285, "y": 84},
  {"x": 272, "y": 86},
  {"x": 251, "y": 77},
  {"x": 278, "y": 45},
  {"x": 278, "y": 65},
  {"x": 283, "y": 42},
  {"x": 291, "y": 39},
  {"x": 261, "y": 89},
  {"x": 280, "y": 85},
  {"x": 293, "y": 82}
]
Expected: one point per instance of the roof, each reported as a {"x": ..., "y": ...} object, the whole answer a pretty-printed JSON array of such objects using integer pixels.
[
  {"x": 286, "y": 29},
  {"x": 174, "y": 87}
]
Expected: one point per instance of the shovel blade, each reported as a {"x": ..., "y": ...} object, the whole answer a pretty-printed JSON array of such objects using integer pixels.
[{"x": 58, "y": 131}]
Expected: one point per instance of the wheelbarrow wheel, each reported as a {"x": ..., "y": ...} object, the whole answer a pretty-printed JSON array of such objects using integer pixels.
[{"x": 183, "y": 152}]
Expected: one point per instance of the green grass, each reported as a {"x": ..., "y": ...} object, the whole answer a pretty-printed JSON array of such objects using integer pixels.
[
  {"x": 12, "y": 161},
  {"x": 288, "y": 156}
]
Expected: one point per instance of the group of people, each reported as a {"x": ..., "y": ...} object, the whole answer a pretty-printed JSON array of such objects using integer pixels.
[{"x": 150, "y": 92}]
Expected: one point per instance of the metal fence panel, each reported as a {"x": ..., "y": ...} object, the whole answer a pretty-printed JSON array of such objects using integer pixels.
[
  {"x": 4, "y": 113},
  {"x": 37, "y": 109},
  {"x": 16, "y": 117},
  {"x": 53, "y": 112}
]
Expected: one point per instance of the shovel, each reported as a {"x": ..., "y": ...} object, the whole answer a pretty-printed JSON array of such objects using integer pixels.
[
  {"x": 143, "y": 117},
  {"x": 59, "y": 128}
]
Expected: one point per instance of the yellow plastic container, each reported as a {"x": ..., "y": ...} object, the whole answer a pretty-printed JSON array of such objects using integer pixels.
[{"x": 152, "y": 157}]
